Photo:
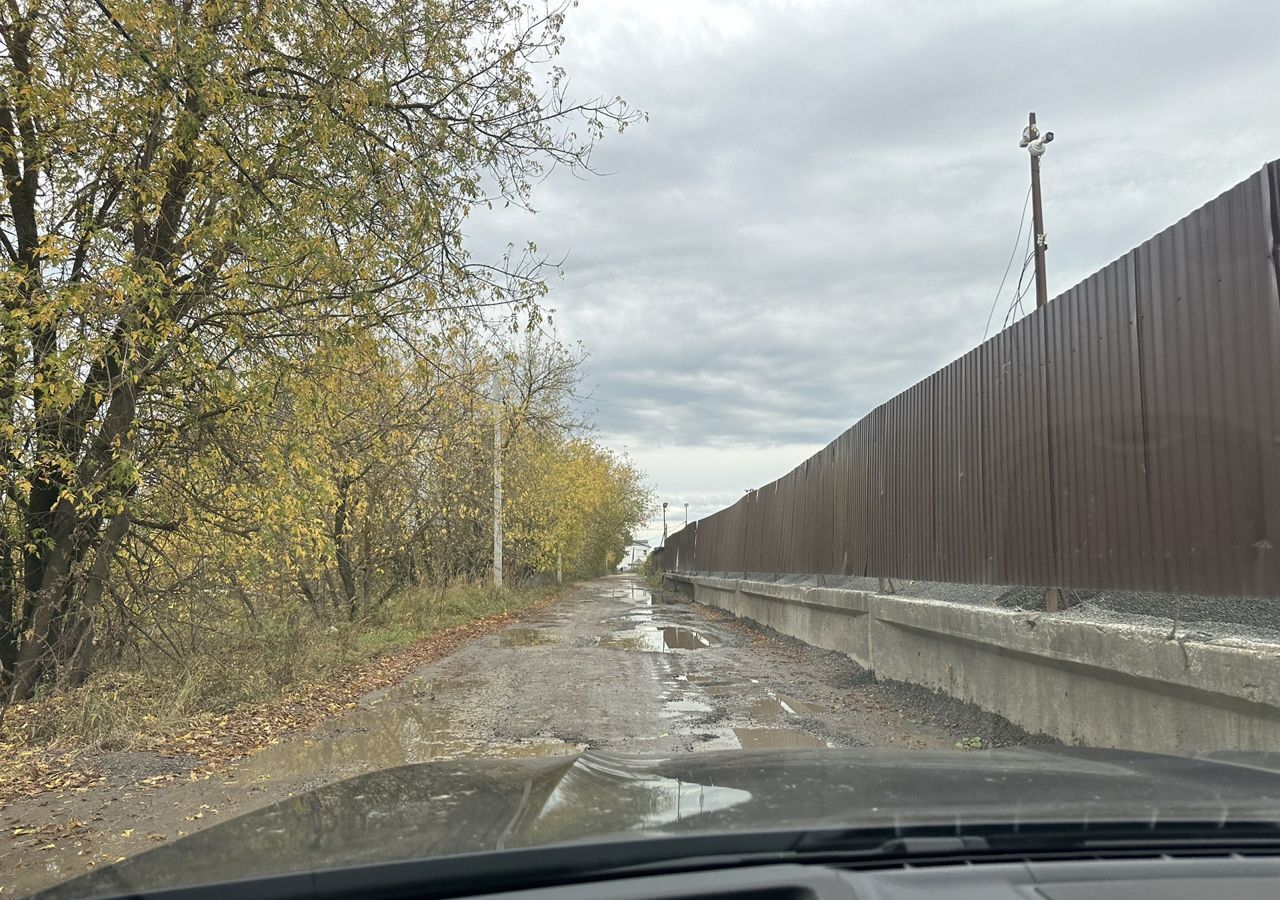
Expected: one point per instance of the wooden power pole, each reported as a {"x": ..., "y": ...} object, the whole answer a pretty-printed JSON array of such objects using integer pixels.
[
  {"x": 1036, "y": 146},
  {"x": 1035, "y": 143},
  {"x": 497, "y": 482}
]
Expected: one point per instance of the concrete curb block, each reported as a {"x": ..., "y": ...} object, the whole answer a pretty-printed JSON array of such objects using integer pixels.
[{"x": 1102, "y": 684}]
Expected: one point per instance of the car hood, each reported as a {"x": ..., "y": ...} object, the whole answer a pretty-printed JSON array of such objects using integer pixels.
[{"x": 454, "y": 807}]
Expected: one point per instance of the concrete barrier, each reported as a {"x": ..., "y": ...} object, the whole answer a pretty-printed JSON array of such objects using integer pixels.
[{"x": 1093, "y": 683}]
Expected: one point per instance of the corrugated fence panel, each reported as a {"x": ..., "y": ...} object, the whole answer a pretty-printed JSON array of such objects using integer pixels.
[
  {"x": 951, "y": 501},
  {"x": 840, "y": 489},
  {"x": 1103, "y": 516},
  {"x": 1020, "y": 457},
  {"x": 861, "y": 500},
  {"x": 1209, "y": 336},
  {"x": 1124, "y": 436}
]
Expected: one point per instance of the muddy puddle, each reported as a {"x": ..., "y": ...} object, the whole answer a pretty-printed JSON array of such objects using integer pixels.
[
  {"x": 650, "y": 599},
  {"x": 770, "y": 738},
  {"x": 687, "y": 704},
  {"x": 775, "y": 707},
  {"x": 658, "y": 639},
  {"x": 644, "y": 597},
  {"x": 385, "y": 736},
  {"x": 523, "y": 637}
]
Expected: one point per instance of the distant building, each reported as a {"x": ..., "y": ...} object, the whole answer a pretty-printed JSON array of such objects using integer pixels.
[{"x": 634, "y": 555}]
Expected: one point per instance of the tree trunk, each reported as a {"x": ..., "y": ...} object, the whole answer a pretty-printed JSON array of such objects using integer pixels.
[
  {"x": 309, "y": 595},
  {"x": 10, "y": 615},
  {"x": 35, "y": 656},
  {"x": 345, "y": 569},
  {"x": 76, "y": 647}
]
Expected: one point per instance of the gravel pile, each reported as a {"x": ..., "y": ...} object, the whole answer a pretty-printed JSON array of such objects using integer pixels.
[
  {"x": 961, "y": 718},
  {"x": 964, "y": 721}
]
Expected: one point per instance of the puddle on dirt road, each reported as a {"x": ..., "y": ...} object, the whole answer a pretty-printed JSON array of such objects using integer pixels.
[
  {"x": 643, "y": 596},
  {"x": 523, "y": 637},
  {"x": 686, "y": 639},
  {"x": 658, "y": 639},
  {"x": 383, "y": 737},
  {"x": 642, "y": 616},
  {"x": 769, "y": 738},
  {"x": 777, "y": 706},
  {"x": 686, "y": 704}
]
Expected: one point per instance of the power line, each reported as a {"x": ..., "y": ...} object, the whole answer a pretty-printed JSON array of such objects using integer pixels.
[
  {"x": 1012, "y": 253},
  {"x": 1020, "y": 291}
]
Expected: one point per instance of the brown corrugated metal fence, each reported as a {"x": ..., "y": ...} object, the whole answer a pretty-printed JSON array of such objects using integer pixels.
[{"x": 1124, "y": 436}]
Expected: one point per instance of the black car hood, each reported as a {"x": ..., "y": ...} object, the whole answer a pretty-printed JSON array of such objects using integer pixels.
[{"x": 468, "y": 806}]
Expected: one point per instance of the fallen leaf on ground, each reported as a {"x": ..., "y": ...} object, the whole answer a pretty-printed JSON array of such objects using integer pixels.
[{"x": 216, "y": 740}]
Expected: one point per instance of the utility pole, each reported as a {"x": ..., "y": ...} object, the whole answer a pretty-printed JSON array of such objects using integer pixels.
[
  {"x": 686, "y": 515},
  {"x": 1035, "y": 143},
  {"x": 496, "y": 388},
  {"x": 664, "y": 523}
]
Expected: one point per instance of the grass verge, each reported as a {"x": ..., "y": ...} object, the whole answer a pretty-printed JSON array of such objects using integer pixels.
[{"x": 243, "y": 689}]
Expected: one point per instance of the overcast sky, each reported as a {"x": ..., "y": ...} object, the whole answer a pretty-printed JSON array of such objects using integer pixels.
[{"x": 821, "y": 206}]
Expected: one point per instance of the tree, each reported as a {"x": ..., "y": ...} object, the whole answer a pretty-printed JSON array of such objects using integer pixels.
[
  {"x": 575, "y": 500},
  {"x": 194, "y": 191}
]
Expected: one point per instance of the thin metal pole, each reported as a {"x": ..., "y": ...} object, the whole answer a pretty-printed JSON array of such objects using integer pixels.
[
  {"x": 497, "y": 482},
  {"x": 1037, "y": 224}
]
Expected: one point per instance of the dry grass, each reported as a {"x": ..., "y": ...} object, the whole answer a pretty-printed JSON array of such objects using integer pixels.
[{"x": 141, "y": 708}]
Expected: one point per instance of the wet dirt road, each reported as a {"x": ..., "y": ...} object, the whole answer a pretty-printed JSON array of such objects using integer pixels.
[
  {"x": 611, "y": 666},
  {"x": 619, "y": 667}
]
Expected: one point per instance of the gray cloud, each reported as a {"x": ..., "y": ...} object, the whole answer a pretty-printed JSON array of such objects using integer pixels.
[{"x": 821, "y": 206}]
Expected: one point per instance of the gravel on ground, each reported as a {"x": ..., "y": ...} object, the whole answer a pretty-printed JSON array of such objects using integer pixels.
[{"x": 1186, "y": 616}]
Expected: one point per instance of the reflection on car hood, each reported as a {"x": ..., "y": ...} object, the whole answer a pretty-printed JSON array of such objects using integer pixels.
[{"x": 465, "y": 806}]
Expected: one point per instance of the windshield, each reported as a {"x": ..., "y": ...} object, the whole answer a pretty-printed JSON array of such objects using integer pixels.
[{"x": 445, "y": 427}]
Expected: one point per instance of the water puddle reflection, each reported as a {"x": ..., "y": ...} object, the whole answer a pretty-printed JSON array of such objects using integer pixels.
[
  {"x": 382, "y": 737},
  {"x": 778, "y": 706},
  {"x": 769, "y": 738},
  {"x": 686, "y": 639},
  {"x": 523, "y": 637},
  {"x": 657, "y": 639}
]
